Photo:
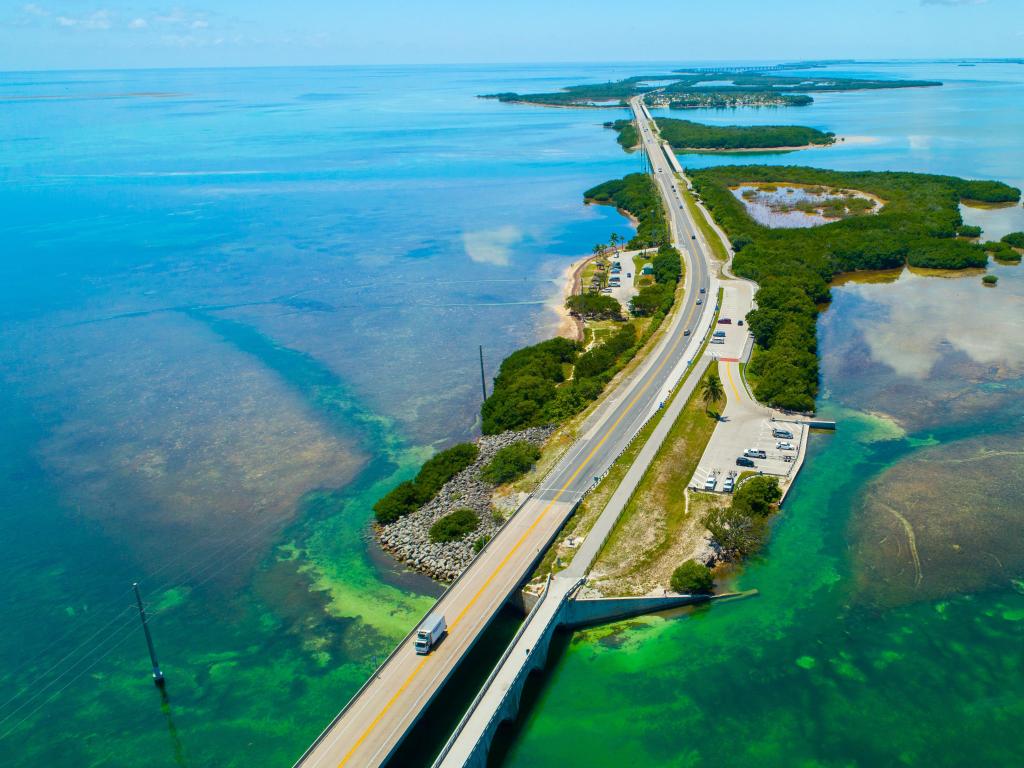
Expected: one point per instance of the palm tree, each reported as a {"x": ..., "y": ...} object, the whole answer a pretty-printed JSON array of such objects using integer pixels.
[
  {"x": 597, "y": 249},
  {"x": 614, "y": 241},
  {"x": 711, "y": 390}
]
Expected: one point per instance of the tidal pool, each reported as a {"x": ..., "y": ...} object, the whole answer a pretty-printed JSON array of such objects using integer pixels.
[{"x": 794, "y": 206}]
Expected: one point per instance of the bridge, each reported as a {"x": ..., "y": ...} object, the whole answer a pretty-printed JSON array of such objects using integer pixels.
[{"x": 375, "y": 721}]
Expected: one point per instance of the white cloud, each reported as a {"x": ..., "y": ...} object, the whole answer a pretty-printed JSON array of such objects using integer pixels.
[
  {"x": 34, "y": 10},
  {"x": 97, "y": 20},
  {"x": 987, "y": 332},
  {"x": 138, "y": 23},
  {"x": 953, "y": 2},
  {"x": 200, "y": 24},
  {"x": 492, "y": 246}
]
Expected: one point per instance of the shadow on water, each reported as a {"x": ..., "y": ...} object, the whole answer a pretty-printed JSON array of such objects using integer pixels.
[
  {"x": 177, "y": 748},
  {"x": 430, "y": 734}
]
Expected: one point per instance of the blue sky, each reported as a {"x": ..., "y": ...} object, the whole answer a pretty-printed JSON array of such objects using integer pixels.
[{"x": 56, "y": 34}]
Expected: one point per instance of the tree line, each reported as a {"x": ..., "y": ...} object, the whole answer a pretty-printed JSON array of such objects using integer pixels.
[
  {"x": 917, "y": 225},
  {"x": 686, "y": 134}
]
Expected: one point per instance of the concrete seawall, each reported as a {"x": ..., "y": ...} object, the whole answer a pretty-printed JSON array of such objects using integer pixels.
[{"x": 498, "y": 700}]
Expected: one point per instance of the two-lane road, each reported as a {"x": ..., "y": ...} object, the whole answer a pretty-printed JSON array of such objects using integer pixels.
[{"x": 377, "y": 718}]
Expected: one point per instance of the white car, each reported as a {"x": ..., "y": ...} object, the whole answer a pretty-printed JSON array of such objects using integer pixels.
[
  {"x": 710, "y": 483},
  {"x": 785, "y": 446}
]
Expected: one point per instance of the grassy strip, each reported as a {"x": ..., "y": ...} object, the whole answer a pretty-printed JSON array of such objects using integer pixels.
[
  {"x": 595, "y": 502},
  {"x": 711, "y": 237},
  {"x": 662, "y": 490}
]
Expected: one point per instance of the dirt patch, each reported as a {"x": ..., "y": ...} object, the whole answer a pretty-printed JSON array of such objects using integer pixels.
[{"x": 661, "y": 525}]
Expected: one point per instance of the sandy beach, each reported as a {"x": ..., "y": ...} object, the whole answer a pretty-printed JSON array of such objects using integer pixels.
[{"x": 569, "y": 326}]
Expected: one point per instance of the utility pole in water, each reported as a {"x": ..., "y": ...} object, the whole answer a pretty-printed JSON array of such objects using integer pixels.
[
  {"x": 483, "y": 379},
  {"x": 158, "y": 676}
]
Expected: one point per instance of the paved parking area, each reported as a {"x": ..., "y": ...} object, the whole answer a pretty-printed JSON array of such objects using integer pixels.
[
  {"x": 735, "y": 305},
  {"x": 747, "y": 425}
]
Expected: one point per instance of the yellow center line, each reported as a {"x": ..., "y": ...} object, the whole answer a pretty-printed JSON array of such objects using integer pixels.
[
  {"x": 728, "y": 371},
  {"x": 518, "y": 544}
]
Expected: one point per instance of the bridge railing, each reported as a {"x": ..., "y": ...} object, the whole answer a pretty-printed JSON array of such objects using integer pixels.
[
  {"x": 494, "y": 673},
  {"x": 406, "y": 639}
]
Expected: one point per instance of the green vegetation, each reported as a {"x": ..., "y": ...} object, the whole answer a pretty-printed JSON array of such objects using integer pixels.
[
  {"x": 525, "y": 385},
  {"x": 1015, "y": 239},
  {"x": 692, "y": 578},
  {"x": 594, "y": 306},
  {"x": 725, "y": 99},
  {"x": 656, "y": 300},
  {"x": 454, "y": 526},
  {"x": 581, "y": 95},
  {"x": 627, "y": 135},
  {"x": 968, "y": 230},
  {"x": 637, "y": 195},
  {"x": 555, "y": 379},
  {"x": 990, "y": 279},
  {"x": 511, "y": 462},
  {"x": 757, "y": 496},
  {"x": 479, "y": 543},
  {"x": 689, "y": 88},
  {"x": 658, "y": 513},
  {"x": 740, "y": 528},
  {"x": 916, "y": 226},
  {"x": 531, "y": 388},
  {"x": 1002, "y": 251},
  {"x": 711, "y": 391},
  {"x": 412, "y": 494},
  {"x": 686, "y": 135}
]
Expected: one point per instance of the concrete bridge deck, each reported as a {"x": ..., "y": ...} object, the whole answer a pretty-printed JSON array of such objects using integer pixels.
[{"x": 374, "y": 722}]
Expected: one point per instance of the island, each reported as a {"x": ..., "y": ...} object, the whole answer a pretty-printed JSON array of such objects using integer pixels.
[
  {"x": 689, "y": 136},
  {"x": 916, "y": 226},
  {"x": 708, "y": 88}
]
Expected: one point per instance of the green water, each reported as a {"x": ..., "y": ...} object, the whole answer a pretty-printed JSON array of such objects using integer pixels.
[{"x": 889, "y": 625}]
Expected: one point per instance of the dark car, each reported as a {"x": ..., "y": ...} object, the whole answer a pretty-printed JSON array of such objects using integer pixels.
[
  {"x": 743, "y": 461},
  {"x": 686, "y": 332},
  {"x": 693, "y": 237}
]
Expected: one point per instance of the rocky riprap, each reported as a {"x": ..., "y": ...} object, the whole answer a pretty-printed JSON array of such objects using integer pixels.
[{"x": 407, "y": 538}]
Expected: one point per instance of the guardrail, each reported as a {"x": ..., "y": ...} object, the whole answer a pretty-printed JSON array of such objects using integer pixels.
[
  {"x": 474, "y": 705},
  {"x": 406, "y": 639}
]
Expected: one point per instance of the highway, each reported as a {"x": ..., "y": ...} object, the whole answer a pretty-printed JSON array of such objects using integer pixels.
[{"x": 374, "y": 722}]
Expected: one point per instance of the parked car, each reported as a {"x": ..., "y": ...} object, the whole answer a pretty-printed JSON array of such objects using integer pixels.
[
  {"x": 718, "y": 341},
  {"x": 785, "y": 446},
  {"x": 739, "y": 322},
  {"x": 782, "y": 434},
  {"x": 755, "y": 453},
  {"x": 710, "y": 483},
  {"x": 743, "y": 461},
  {"x": 728, "y": 484},
  {"x": 725, "y": 321},
  {"x": 719, "y": 334}
]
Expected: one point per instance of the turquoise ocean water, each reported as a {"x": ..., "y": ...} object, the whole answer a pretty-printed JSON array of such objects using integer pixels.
[{"x": 235, "y": 304}]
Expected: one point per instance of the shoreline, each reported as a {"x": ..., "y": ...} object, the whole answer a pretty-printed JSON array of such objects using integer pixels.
[
  {"x": 749, "y": 150},
  {"x": 568, "y": 326}
]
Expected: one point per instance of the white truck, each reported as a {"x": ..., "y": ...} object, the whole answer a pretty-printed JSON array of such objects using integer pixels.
[{"x": 431, "y": 630}]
